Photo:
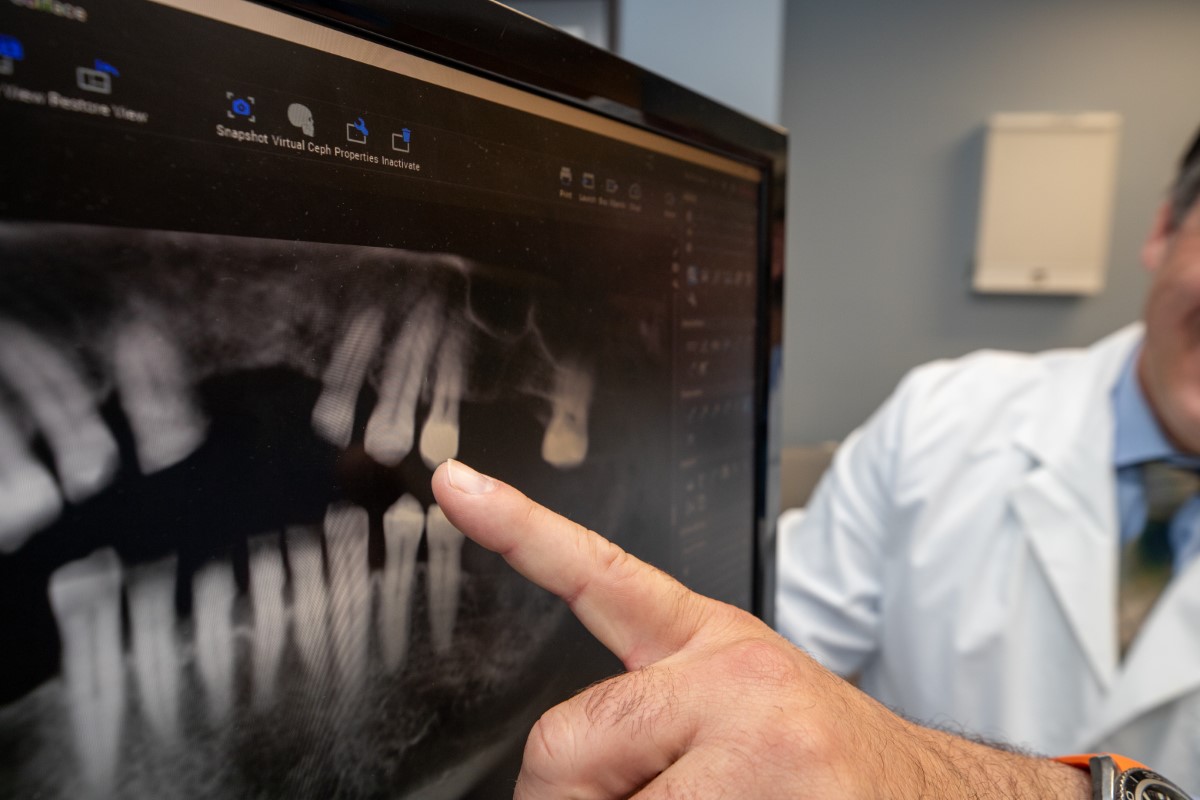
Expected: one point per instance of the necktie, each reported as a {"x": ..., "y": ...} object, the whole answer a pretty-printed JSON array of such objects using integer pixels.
[{"x": 1146, "y": 560}]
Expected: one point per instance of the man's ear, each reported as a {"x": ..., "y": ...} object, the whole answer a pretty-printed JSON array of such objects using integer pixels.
[{"x": 1154, "y": 249}]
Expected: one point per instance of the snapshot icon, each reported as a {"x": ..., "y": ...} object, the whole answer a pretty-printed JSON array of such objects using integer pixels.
[{"x": 240, "y": 106}]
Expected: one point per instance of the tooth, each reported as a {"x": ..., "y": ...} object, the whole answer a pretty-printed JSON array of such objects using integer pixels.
[
  {"x": 445, "y": 576},
  {"x": 85, "y": 453},
  {"x": 310, "y": 600},
  {"x": 565, "y": 443},
  {"x": 391, "y": 427},
  {"x": 333, "y": 415},
  {"x": 151, "y": 592},
  {"x": 439, "y": 437},
  {"x": 270, "y": 624},
  {"x": 346, "y": 533},
  {"x": 156, "y": 396},
  {"x": 402, "y": 524},
  {"x": 29, "y": 498},
  {"x": 86, "y": 598},
  {"x": 213, "y": 592}
]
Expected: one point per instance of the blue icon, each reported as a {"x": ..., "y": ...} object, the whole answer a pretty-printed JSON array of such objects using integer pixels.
[
  {"x": 11, "y": 48},
  {"x": 356, "y": 131},
  {"x": 104, "y": 66},
  {"x": 240, "y": 107},
  {"x": 402, "y": 141},
  {"x": 11, "y": 51}
]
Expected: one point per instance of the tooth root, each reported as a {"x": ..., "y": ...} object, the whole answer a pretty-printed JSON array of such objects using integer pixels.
[
  {"x": 151, "y": 592},
  {"x": 346, "y": 533},
  {"x": 85, "y": 453},
  {"x": 86, "y": 598},
  {"x": 156, "y": 396},
  {"x": 445, "y": 577},
  {"x": 267, "y": 579},
  {"x": 213, "y": 593},
  {"x": 565, "y": 443},
  {"x": 402, "y": 526},
  {"x": 310, "y": 599},
  {"x": 333, "y": 415},
  {"x": 29, "y": 498},
  {"x": 391, "y": 427},
  {"x": 439, "y": 437}
]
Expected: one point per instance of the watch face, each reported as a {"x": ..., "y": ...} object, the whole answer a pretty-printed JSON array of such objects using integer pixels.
[{"x": 1142, "y": 784}]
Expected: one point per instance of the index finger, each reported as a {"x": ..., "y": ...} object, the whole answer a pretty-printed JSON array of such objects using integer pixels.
[{"x": 638, "y": 612}]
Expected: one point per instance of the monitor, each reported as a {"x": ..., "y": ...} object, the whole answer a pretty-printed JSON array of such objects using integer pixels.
[{"x": 263, "y": 266}]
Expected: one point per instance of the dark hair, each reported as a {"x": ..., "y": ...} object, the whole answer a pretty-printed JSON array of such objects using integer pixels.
[{"x": 1187, "y": 183}]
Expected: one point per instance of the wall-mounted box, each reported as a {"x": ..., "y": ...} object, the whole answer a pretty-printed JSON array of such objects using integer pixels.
[{"x": 1046, "y": 204}]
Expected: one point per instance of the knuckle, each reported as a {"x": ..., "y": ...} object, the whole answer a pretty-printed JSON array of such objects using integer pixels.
[
  {"x": 761, "y": 661},
  {"x": 551, "y": 747}
]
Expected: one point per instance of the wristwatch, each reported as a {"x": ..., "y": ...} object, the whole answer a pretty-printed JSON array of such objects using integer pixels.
[{"x": 1119, "y": 778}]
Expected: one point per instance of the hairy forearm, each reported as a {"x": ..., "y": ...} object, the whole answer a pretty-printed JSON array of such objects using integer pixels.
[{"x": 957, "y": 767}]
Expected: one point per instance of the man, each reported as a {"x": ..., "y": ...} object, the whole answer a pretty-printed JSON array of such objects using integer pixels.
[
  {"x": 715, "y": 704},
  {"x": 964, "y": 553}
]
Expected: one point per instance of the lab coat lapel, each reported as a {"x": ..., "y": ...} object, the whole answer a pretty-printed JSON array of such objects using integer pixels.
[
  {"x": 1066, "y": 503},
  {"x": 1078, "y": 556},
  {"x": 1161, "y": 665}
]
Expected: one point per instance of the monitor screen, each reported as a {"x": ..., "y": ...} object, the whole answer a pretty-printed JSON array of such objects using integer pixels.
[{"x": 259, "y": 276}]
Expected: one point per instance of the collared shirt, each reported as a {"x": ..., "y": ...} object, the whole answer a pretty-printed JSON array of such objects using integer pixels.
[{"x": 1138, "y": 439}]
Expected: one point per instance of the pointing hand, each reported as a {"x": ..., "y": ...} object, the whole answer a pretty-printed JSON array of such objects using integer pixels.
[{"x": 714, "y": 703}]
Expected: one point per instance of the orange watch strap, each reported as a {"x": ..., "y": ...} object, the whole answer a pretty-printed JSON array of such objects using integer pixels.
[{"x": 1083, "y": 761}]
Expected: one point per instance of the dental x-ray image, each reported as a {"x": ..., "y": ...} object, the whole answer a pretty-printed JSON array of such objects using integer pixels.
[{"x": 222, "y": 570}]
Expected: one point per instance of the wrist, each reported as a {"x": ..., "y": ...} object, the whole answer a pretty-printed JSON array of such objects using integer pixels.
[
  {"x": 959, "y": 767},
  {"x": 1115, "y": 777}
]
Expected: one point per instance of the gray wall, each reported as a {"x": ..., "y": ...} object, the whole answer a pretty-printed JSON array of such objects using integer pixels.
[
  {"x": 731, "y": 52},
  {"x": 886, "y": 102}
]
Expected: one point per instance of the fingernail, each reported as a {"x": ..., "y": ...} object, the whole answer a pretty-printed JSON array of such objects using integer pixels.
[{"x": 467, "y": 480}]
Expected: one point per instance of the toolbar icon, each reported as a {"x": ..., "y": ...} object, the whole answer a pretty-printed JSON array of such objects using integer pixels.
[
  {"x": 402, "y": 141},
  {"x": 11, "y": 51},
  {"x": 611, "y": 186},
  {"x": 240, "y": 107},
  {"x": 635, "y": 191},
  {"x": 589, "y": 180},
  {"x": 565, "y": 177},
  {"x": 356, "y": 131},
  {"x": 96, "y": 78},
  {"x": 300, "y": 116}
]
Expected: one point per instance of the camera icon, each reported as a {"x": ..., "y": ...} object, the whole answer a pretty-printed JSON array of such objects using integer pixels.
[{"x": 240, "y": 107}]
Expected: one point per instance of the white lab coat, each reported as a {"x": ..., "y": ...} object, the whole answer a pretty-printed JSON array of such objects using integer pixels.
[{"x": 961, "y": 556}]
